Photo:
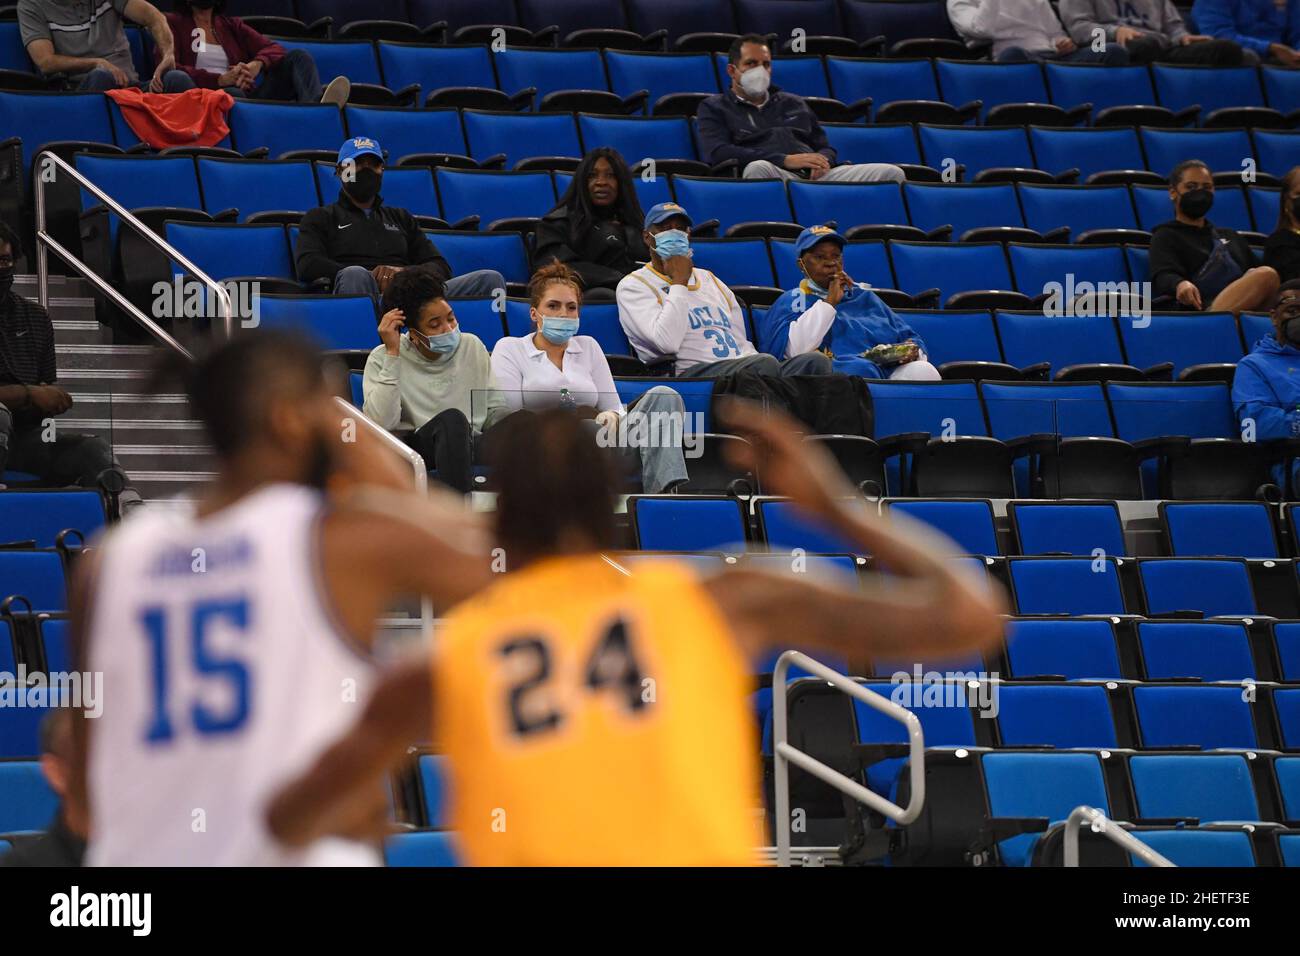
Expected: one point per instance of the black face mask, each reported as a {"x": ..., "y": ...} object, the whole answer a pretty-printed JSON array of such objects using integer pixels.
[
  {"x": 6, "y": 280},
  {"x": 1196, "y": 204},
  {"x": 366, "y": 186}
]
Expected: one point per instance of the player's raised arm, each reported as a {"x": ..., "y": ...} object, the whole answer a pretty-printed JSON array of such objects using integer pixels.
[
  {"x": 928, "y": 605},
  {"x": 342, "y": 793}
]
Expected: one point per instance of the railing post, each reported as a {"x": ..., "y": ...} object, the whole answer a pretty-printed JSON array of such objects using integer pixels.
[{"x": 1112, "y": 831}]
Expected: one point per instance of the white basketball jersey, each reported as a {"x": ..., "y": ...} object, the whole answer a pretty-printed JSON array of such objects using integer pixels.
[{"x": 224, "y": 676}]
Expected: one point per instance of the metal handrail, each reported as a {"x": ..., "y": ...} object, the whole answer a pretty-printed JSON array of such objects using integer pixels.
[
  {"x": 46, "y": 242},
  {"x": 1111, "y": 830},
  {"x": 785, "y": 754}
]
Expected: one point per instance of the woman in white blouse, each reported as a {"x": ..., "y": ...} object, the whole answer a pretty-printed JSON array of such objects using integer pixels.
[{"x": 556, "y": 366}]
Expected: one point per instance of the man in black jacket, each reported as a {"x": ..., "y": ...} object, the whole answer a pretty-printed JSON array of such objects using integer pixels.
[
  {"x": 1199, "y": 264},
  {"x": 771, "y": 133},
  {"x": 359, "y": 244}
]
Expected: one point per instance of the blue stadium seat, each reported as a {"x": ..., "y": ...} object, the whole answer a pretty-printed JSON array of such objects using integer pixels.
[
  {"x": 599, "y": 320},
  {"x": 1287, "y": 705},
  {"x": 953, "y": 267},
  {"x": 1289, "y": 846},
  {"x": 1075, "y": 528},
  {"x": 1081, "y": 208},
  {"x": 783, "y": 17},
  {"x": 697, "y": 394},
  {"x": 1138, "y": 258},
  {"x": 406, "y": 132},
  {"x": 432, "y": 772},
  {"x": 493, "y": 195},
  {"x": 1287, "y": 771},
  {"x": 1055, "y": 715},
  {"x": 571, "y": 15},
  {"x": 735, "y": 261},
  {"x": 1199, "y": 847},
  {"x": 282, "y": 127},
  {"x": 254, "y": 186},
  {"x": 1265, "y": 204},
  {"x": 637, "y": 138},
  {"x": 681, "y": 17},
  {"x": 947, "y": 724},
  {"x": 1087, "y": 149},
  {"x": 139, "y": 182},
  {"x": 13, "y": 55},
  {"x": 1281, "y": 88},
  {"x": 884, "y": 80},
  {"x": 1037, "y": 266},
  {"x": 1064, "y": 341},
  {"x": 26, "y": 800},
  {"x": 733, "y": 201},
  {"x": 784, "y": 526},
  {"x": 335, "y": 322},
  {"x": 1065, "y": 586},
  {"x": 20, "y": 727},
  {"x": 8, "y": 655},
  {"x": 802, "y": 75},
  {"x": 40, "y": 118},
  {"x": 865, "y": 260},
  {"x": 1213, "y": 788},
  {"x": 1180, "y": 715},
  {"x": 1072, "y": 84},
  {"x": 410, "y": 189},
  {"x": 962, "y": 206},
  {"x": 1255, "y": 326},
  {"x": 952, "y": 336},
  {"x": 1222, "y": 149},
  {"x": 226, "y": 251},
  {"x": 896, "y": 22},
  {"x": 1074, "y": 650},
  {"x": 549, "y": 71},
  {"x": 1185, "y": 338},
  {"x": 436, "y": 67},
  {"x": 968, "y": 523},
  {"x": 904, "y": 407},
  {"x": 890, "y": 143},
  {"x": 1276, "y": 151},
  {"x": 1153, "y": 207},
  {"x": 963, "y": 81},
  {"x": 1040, "y": 785},
  {"x": 1209, "y": 652},
  {"x": 57, "y": 644},
  {"x": 1287, "y": 637},
  {"x": 37, "y": 576},
  {"x": 42, "y": 516},
  {"x": 430, "y": 848},
  {"x": 344, "y": 11},
  {"x": 1234, "y": 529},
  {"x": 687, "y": 524},
  {"x": 520, "y": 135},
  {"x": 351, "y": 58},
  {"x": 660, "y": 74},
  {"x": 471, "y": 251},
  {"x": 846, "y": 204},
  {"x": 976, "y": 147},
  {"x": 480, "y": 317},
  {"x": 1216, "y": 587},
  {"x": 1069, "y": 409},
  {"x": 1179, "y": 87}
]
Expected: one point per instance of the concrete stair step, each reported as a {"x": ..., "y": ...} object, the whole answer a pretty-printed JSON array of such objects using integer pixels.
[
  {"x": 168, "y": 458},
  {"x": 130, "y": 381},
  {"x": 159, "y": 485},
  {"x": 109, "y": 358},
  {"x": 79, "y": 331},
  {"x": 148, "y": 431},
  {"x": 95, "y": 404}
]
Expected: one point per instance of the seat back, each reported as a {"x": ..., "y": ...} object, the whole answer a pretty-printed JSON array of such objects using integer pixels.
[
  {"x": 1103, "y": 86},
  {"x": 37, "y": 576},
  {"x": 403, "y": 132},
  {"x": 1209, "y": 652},
  {"x": 846, "y": 204},
  {"x": 225, "y": 251},
  {"x": 950, "y": 267},
  {"x": 40, "y": 516},
  {"x": 962, "y": 206},
  {"x": 1080, "y": 207},
  {"x": 26, "y": 800},
  {"x": 471, "y": 251},
  {"x": 733, "y": 201},
  {"x": 1180, "y": 715},
  {"x": 884, "y": 80},
  {"x": 976, "y": 147},
  {"x": 254, "y": 186},
  {"x": 1077, "y": 528},
  {"x": 493, "y": 195},
  {"x": 281, "y": 127},
  {"x": 1055, "y": 715},
  {"x": 351, "y": 58},
  {"x": 1222, "y": 149},
  {"x": 332, "y": 321},
  {"x": 1062, "y": 340},
  {"x": 1209, "y": 787},
  {"x": 549, "y": 70},
  {"x": 935, "y": 408},
  {"x": 968, "y": 523},
  {"x": 687, "y": 524},
  {"x": 1068, "y": 271},
  {"x": 786, "y": 527},
  {"x": 1086, "y": 149},
  {"x": 1070, "y": 409},
  {"x": 1046, "y": 785},
  {"x": 436, "y": 67},
  {"x": 1215, "y": 587},
  {"x": 520, "y": 135},
  {"x": 961, "y": 81},
  {"x": 952, "y": 336},
  {"x": 1065, "y": 586},
  {"x": 660, "y": 74},
  {"x": 1073, "y": 650},
  {"x": 1184, "y": 338},
  {"x": 637, "y": 137},
  {"x": 1237, "y": 529}
]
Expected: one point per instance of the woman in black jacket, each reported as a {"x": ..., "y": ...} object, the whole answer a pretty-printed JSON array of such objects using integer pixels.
[
  {"x": 596, "y": 228},
  {"x": 1282, "y": 249}
]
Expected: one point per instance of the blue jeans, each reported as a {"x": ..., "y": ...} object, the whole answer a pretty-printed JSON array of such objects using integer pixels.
[
  {"x": 652, "y": 418},
  {"x": 101, "y": 81},
  {"x": 293, "y": 78},
  {"x": 480, "y": 284}
]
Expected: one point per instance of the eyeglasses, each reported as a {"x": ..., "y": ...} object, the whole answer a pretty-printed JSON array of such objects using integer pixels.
[{"x": 6, "y": 262}]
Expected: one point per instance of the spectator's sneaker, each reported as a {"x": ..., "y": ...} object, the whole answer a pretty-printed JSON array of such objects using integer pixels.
[{"x": 338, "y": 91}]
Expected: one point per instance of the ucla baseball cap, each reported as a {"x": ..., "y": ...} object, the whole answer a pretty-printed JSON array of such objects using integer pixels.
[
  {"x": 813, "y": 235},
  {"x": 665, "y": 210},
  {"x": 359, "y": 146}
]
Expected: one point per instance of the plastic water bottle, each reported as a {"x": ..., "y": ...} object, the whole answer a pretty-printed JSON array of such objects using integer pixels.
[{"x": 566, "y": 400}]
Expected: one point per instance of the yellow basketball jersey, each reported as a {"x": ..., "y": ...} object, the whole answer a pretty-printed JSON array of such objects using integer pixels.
[{"x": 597, "y": 718}]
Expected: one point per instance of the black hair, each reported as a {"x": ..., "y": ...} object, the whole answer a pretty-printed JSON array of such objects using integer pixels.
[
  {"x": 733, "y": 51},
  {"x": 577, "y": 198},
  {"x": 187, "y": 8},
  {"x": 1176, "y": 175},
  {"x": 10, "y": 238},
  {"x": 231, "y": 386},
  {"x": 411, "y": 290},
  {"x": 553, "y": 480}
]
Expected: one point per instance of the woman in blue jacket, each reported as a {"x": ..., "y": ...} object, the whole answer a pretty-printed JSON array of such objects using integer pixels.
[
  {"x": 1266, "y": 387},
  {"x": 829, "y": 312}
]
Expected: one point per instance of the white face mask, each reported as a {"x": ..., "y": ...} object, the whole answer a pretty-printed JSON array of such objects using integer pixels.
[{"x": 755, "y": 81}]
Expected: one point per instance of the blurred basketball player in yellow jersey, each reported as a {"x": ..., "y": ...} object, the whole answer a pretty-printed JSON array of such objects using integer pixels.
[{"x": 596, "y": 717}]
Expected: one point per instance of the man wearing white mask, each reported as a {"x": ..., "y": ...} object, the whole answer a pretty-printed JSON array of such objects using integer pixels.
[
  {"x": 771, "y": 133},
  {"x": 671, "y": 308}
]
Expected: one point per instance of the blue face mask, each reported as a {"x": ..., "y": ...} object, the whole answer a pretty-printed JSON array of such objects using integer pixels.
[
  {"x": 816, "y": 288},
  {"x": 442, "y": 344},
  {"x": 674, "y": 242},
  {"x": 557, "y": 330}
]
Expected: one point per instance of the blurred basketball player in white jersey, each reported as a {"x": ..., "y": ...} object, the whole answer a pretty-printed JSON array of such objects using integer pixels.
[{"x": 234, "y": 635}]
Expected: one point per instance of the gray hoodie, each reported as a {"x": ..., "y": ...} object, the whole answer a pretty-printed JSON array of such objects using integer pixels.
[{"x": 1158, "y": 17}]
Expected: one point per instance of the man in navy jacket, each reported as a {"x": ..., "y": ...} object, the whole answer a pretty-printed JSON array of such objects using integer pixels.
[{"x": 771, "y": 133}]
